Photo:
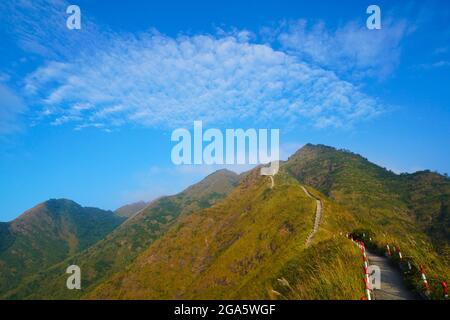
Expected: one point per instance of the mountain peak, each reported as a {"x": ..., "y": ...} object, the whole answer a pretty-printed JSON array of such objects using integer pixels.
[
  {"x": 220, "y": 181},
  {"x": 224, "y": 171},
  {"x": 321, "y": 148},
  {"x": 61, "y": 202},
  {"x": 48, "y": 233},
  {"x": 46, "y": 206},
  {"x": 129, "y": 209}
]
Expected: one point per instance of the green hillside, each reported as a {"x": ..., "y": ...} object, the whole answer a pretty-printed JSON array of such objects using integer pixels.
[
  {"x": 128, "y": 210},
  {"x": 236, "y": 249},
  {"x": 235, "y": 237},
  {"x": 241, "y": 246},
  {"x": 120, "y": 247},
  {"x": 47, "y": 234},
  {"x": 407, "y": 210},
  {"x": 428, "y": 197}
]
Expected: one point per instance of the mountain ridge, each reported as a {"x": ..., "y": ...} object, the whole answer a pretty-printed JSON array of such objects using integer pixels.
[
  {"x": 119, "y": 248},
  {"x": 48, "y": 233},
  {"x": 362, "y": 185},
  {"x": 237, "y": 222},
  {"x": 130, "y": 209},
  {"x": 352, "y": 189}
]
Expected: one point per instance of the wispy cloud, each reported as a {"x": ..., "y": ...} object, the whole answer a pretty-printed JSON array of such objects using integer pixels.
[
  {"x": 156, "y": 80},
  {"x": 440, "y": 50},
  {"x": 352, "y": 49},
  {"x": 11, "y": 107},
  {"x": 39, "y": 27},
  {"x": 434, "y": 65}
]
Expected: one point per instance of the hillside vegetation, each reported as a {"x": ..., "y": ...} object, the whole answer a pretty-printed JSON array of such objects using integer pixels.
[
  {"x": 119, "y": 248},
  {"x": 238, "y": 248},
  {"x": 410, "y": 211},
  {"x": 128, "y": 210},
  {"x": 235, "y": 237},
  {"x": 47, "y": 234}
]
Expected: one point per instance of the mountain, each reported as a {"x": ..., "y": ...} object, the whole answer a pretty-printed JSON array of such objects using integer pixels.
[
  {"x": 409, "y": 203},
  {"x": 242, "y": 246},
  {"x": 236, "y": 237},
  {"x": 252, "y": 245},
  {"x": 119, "y": 248},
  {"x": 47, "y": 234},
  {"x": 130, "y": 209},
  {"x": 428, "y": 197}
]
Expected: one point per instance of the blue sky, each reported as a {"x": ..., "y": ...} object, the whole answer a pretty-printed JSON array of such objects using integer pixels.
[{"x": 87, "y": 114}]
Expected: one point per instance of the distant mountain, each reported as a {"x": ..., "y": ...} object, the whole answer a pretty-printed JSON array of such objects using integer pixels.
[
  {"x": 47, "y": 234},
  {"x": 121, "y": 246},
  {"x": 235, "y": 237},
  {"x": 130, "y": 209}
]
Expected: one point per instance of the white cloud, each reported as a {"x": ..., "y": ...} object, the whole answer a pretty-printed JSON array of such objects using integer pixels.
[
  {"x": 159, "y": 81},
  {"x": 440, "y": 51},
  {"x": 434, "y": 65},
  {"x": 39, "y": 27},
  {"x": 99, "y": 78},
  {"x": 441, "y": 64},
  {"x": 11, "y": 107},
  {"x": 351, "y": 48}
]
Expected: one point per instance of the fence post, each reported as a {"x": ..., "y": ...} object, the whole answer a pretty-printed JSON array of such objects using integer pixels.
[
  {"x": 399, "y": 253},
  {"x": 424, "y": 279},
  {"x": 367, "y": 286},
  {"x": 445, "y": 289}
]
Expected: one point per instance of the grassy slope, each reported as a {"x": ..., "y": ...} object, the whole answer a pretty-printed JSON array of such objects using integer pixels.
[
  {"x": 47, "y": 234},
  {"x": 408, "y": 210},
  {"x": 428, "y": 198},
  {"x": 128, "y": 210},
  {"x": 121, "y": 246},
  {"x": 251, "y": 244},
  {"x": 240, "y": 247}
]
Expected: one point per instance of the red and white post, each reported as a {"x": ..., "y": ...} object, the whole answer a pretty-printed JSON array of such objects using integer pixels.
[
  {"x": 367, "y": 285},
  {"x": 444, "y": 289},
  {"x": 424, "y": 279}
]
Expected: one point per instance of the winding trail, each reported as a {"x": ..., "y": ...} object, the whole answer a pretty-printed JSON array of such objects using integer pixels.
[
  {"x": 392, "y": 285},
  {"x": 317, "y": 217}
]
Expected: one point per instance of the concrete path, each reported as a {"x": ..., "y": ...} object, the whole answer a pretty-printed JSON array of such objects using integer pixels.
[
  {"x": 392, "y": 285},
  {"x": 317, "y": 217}
]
